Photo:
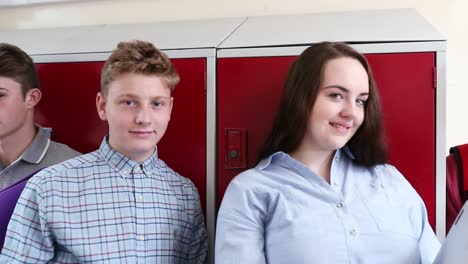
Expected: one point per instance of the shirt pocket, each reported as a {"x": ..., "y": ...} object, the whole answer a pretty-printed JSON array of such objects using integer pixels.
[{"x": 390, "y": 213}]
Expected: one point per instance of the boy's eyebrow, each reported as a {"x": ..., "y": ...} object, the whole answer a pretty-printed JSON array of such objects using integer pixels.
[
  {"x": 127, "y": 95},
  {"x": 135, "y": 96},
  {"x": 345, "y": 90},
  {"x": 161, "y": 97}
]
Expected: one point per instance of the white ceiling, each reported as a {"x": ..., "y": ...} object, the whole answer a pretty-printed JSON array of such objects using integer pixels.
[{"x": 13, "y": 3}]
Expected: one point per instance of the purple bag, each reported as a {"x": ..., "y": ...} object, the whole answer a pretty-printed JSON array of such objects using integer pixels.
[{"x": 8, "y": 199}]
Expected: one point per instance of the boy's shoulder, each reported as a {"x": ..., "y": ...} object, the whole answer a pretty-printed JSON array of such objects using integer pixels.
[
  {"x": 57, "y": 153},
  {"x": 67, "y": 167},
  {"x": 177, "y": 181},
  {"x": 62, "y": 149}
]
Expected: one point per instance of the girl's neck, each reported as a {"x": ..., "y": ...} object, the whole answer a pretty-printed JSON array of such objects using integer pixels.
[{"x": 317, "y": 161}]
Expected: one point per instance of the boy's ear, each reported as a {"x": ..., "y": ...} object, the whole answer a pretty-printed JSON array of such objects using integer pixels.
[
  {"x": 32, "y": 98},
  {"x": 170, "y": 109},
  {"x": 101, "y": 106},
  {"x": 172, "y": 103}
]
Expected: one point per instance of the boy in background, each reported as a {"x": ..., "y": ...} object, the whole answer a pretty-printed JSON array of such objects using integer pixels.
[{"x": 25, "y": 147}]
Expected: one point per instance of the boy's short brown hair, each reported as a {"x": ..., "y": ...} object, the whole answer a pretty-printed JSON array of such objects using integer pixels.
[
  {"x": 138, "y": 57},
  {"x": 17, "y": 65}
]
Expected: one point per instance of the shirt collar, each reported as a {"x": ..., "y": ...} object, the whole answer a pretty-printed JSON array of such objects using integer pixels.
[
  {"x": 348, "y": 152},
  {"x": 36, "y": 151},
  {"x": 124, "y": 165},
  {"x": 288, "y": 159}
]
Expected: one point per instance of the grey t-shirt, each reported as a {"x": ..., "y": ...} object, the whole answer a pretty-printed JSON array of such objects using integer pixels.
[{"x": 41, "y": 153}]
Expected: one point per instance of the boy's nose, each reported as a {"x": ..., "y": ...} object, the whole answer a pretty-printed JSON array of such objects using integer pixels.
[{"x": 142, "y": 116}]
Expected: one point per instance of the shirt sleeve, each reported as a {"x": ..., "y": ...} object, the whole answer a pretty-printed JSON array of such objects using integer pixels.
[
  {"x": 429, "y": 245},
  {"x": 28, "y": 238},
  {"x": 199, "y": 244},
  {"x": 240, "y": 225}
]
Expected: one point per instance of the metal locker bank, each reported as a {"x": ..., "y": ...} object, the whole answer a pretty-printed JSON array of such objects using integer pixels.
[{"x": 232, "y": 74}]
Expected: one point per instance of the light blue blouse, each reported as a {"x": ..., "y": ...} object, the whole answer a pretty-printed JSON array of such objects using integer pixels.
[{"x": 282, "y": 212}]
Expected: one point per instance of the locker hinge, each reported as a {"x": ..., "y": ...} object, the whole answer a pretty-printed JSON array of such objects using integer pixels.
[
  {"x": 434, "y": 78},
  {"x": 205, "y": 77}
]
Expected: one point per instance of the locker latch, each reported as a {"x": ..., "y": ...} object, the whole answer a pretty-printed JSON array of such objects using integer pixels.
[{"x": 235, "y": 153}]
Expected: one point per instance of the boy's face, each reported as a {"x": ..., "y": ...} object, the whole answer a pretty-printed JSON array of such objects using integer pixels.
[
  {"x": 138, "y": 109},
  {"x": 13, "y": 107}
]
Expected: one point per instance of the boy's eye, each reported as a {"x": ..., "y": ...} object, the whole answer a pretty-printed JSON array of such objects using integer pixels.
[
  {"x": 128, "y": 102},
  {"x": 157, "y": 103}
]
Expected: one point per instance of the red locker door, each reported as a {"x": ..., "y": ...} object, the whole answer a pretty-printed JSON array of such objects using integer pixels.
[
  {"x": 408, "y": 98},
  {"x": 405, "y": 84},
  {"x": 68, "y": 103},
  {"x": 183, "y": 147},
  {"x": 68, "y": 106},
  {"x": 249, "y": 90}
]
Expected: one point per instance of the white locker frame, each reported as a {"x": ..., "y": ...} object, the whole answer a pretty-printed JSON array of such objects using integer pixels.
[{"x": 371, "y": 31}]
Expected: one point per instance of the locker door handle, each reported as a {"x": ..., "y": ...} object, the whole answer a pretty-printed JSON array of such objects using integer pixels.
[{"x": 235, "y": 152}]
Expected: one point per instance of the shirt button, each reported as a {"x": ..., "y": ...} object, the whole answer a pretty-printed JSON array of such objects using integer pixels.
[
  {"x": 137, "y": 169},
  {"x": 140, "y": 197},
  {"x": 339, "y": 205},
  {"x": 353, "y": 232},
  {"x": 337, "y": 158},
  {"x": 141, "y": 237},
  {"x": 124, "y": 172}
]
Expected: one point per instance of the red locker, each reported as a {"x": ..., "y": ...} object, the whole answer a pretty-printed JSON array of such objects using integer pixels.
[
  {"x": 68, "y": 103},
  {"x": 249, "y": 90},
  {"x": 68, "y": 106}
]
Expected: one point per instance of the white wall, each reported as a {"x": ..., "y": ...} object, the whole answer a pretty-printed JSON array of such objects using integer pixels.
[{"x": 447, "y": 16}]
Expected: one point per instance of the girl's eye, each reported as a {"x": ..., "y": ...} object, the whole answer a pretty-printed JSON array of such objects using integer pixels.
[
  {"x": 336, "y": 96},
  {"x": 361, "y": 102}
]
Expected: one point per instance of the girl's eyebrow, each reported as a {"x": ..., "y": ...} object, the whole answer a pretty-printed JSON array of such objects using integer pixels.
[{"x": 345, "y": 90}]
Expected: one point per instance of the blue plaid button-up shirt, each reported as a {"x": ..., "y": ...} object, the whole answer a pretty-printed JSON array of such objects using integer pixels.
[{"x": 103, "y": 207}]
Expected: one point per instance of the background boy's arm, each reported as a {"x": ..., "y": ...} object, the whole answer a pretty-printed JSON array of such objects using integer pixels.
[{"x": 28, "y": 238}]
